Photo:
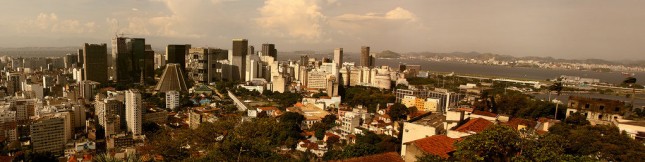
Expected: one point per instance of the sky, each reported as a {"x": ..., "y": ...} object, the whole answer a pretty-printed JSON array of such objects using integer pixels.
[{"x": 579, "y": 29}]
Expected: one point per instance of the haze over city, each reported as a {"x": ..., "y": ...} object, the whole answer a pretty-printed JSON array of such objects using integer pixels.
[{"x": 577, "y": 29}]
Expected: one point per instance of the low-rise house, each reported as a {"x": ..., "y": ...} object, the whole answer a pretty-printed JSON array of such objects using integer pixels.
[
  {"x": 543, "y": 125},
  {"x": 439, "y": 145},
  {"x": 520, "y": 124},
  {"x": 635, "y": 129},
  {"x": 482, "y": 114},
  {"x": 423, "y": 126},
  {"x": 197, "y": 115},
  {"x": 311, "y": 112},
  {"x": 473, "y": 126}
]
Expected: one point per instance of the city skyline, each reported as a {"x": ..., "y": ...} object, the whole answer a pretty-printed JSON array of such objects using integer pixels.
[{"x": 572, "y": 29}]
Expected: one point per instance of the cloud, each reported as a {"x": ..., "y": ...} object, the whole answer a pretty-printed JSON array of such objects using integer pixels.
[
  {"x": 395, "y": 14},
  {"x": 298, "y": 19},
  {"x": 50, "y": 23},
  {"x": 178, "y": 22}
]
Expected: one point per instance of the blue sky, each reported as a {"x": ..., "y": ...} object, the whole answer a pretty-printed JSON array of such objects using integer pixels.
[{"x": 559, "y": 28}]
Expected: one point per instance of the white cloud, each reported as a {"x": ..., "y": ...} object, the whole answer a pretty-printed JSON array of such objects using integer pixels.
[
  {"x": 395, "y": 14},
  {"x": 178, "y": 22},
  {"x": 299, "y": 19},
  {"x": 49, "y": 22}
]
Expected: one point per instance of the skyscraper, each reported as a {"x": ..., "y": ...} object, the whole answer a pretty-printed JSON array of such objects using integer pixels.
[
  {"x": 365, "y": 56},
  {"x": 137, "y": 48},
  {"x": 70, "y": 60},
  {"x": 149, "y": 63},
  {"x": 133, "y": 111},
  {"x": 176, "y": 54},
  {"x": 239, "y": 59},
  {"x": 304, "y": 60},
  {"x": 203, "y": 64},
  {"x": 95, "y": 65},
  {"x": 269, "y": 50},
  {"x": 79, "y": 61},
  {"x": 338, "y": 57},
  {"x": 120, "y": 58},
  {"x": 129, "y": 55}
]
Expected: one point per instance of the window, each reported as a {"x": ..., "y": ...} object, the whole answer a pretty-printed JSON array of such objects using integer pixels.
[
  {"x": 599, "y": 116},
  {"x": 587, "y": 106},
  {"x": 602, "y": 107},
  {"x": 617, "y": 109}
]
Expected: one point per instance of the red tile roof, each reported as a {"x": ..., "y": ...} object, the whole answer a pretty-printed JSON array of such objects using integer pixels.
[
  {"x": 516, "y": 122},
  {"x": 475, "y": 125},
  {"x": 268, "y": 108},
  {"x": 484, "y": 113},
  {"x": 383, "y": 157},
  {"x": 439, "y": 145}
]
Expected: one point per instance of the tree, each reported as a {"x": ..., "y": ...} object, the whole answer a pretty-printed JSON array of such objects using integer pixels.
[
  {"x": 576, "y": 119},
  {"x": 292, "y": 117},
  {"x": 429, "y": 158},
  {"x": 320, "y": 129},
  {"x": 331, "y": 141},
  {"x": 557, "y": 87},
  {"x": 398, "y": 111},
  {"x": 497, "y": 143},
  {"x": 631, "y": 81},
  {"x": 329, "y": 120}
]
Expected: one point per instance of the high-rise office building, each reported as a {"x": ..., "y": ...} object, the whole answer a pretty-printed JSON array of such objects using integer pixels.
[
  {"x": 48, "y": 134},
  {"x": 129, "y": 56},
  {"x": 269, "y": 50},
  {"x": 79, "y": 116},
  {"x": 95, "y": 65},
  {"x": 149, "y": 63},
  {"x": 365, "y": 56},
  {"x": 304, "y": 60},
  {"x": 240, "y": 47},
  {"x": 133, "y": 111},
  {"x": 70, "y": 60},
  {"x": 160, "y": 60},
  {"x": 80, "y": 61},
  {"x": 137, "y": 47},
  {"x": 120, "y": 58},
  {"x": 251, "y": 50},
  {"x": 204, "y": 63},
  {"x": 176, "y": 54},
  {"x": 338, "y": 57},
  {"x": 108, "y": 108}
]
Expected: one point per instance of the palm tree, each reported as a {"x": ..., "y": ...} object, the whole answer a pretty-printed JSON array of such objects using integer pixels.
[
  {"x": 557, "y": 87},
  {"x": 631, "y": 81}
]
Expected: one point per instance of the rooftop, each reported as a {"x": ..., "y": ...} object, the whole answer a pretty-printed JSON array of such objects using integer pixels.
[
  {"x": 439, "y": 145},
  {"x": 434, "y": 120},
  {"x": 475, "y": 125},
  {"x": 484, "y": 113}
]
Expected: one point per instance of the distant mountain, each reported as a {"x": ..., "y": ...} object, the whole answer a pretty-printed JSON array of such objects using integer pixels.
[
  {"x": 486, "y": 56},
  {"x": 388, "y": 54}
]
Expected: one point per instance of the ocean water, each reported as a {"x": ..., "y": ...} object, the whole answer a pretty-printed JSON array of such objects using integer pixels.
[{"x": 489, "y": 70}]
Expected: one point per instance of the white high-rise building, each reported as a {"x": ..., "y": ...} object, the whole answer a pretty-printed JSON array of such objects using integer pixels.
[
  {"x": 172, "y": 99},
  {"x": 133, "y": 111}
]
